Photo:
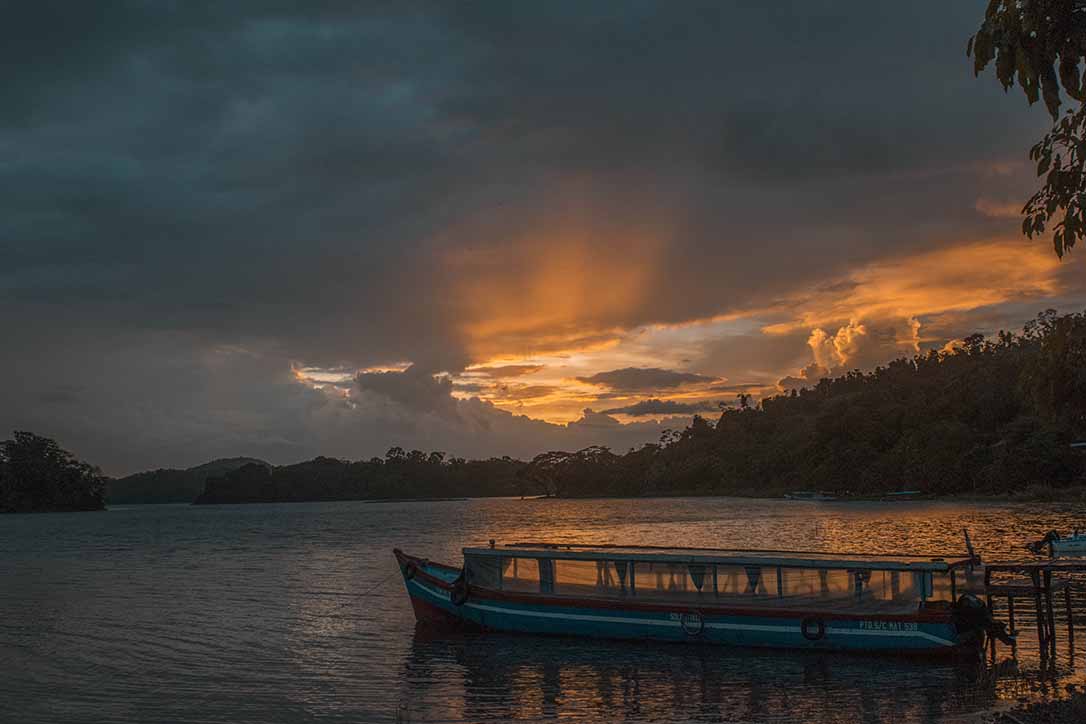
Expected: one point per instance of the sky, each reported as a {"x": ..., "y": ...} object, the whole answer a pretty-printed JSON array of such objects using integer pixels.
[{"x": 289, "y": 229}]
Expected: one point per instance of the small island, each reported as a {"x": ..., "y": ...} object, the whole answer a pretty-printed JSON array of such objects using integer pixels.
[{"x": 37, "y": 476}]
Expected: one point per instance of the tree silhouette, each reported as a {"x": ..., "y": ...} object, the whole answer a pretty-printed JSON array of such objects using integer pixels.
[
  {"x": 36, "y": 474},
  {"x": 1040, "y": 44}
]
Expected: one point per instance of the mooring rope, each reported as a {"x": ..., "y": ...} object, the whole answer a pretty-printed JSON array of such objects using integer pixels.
[{"x": 372, "y": 589}]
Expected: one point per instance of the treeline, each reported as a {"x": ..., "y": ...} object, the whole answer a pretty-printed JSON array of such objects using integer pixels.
[
  {"x": 36, "y": 475},
  {"x": 992, "y": 416},
  {"x": 400, "y": 474},
  {"x": 170, "y": 485}
]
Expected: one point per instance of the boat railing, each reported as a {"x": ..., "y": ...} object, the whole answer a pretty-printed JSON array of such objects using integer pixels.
[{"x": 952, "y": 559}]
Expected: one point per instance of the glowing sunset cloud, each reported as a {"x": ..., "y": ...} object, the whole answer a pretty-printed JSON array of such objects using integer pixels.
[{"x": 956, "y": 278}]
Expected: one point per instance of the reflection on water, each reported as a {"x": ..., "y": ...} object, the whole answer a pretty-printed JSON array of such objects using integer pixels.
[
  {"x": 293, "y": 613},
  {"x": 499, "y": 678}
]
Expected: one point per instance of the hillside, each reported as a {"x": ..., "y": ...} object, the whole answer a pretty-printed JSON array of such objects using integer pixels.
[
  {"x": 990, "y": 416},
  {"x": 170, "y": 485},
  {"x": 399, "y": 475}
]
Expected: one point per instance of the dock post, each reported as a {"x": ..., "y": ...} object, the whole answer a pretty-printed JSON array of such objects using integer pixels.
[
  {"x": 1049, "y": 611},
  {"x": 1070, "y": 617},
  {"x": 1035, "y": 575},
  {"x": 1010, "y": 613}
]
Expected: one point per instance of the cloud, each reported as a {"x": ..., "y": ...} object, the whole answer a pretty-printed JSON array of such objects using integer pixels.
[
  {"x": 201, "y": 202},
  {"x": 505, "y": 371},
  {"x": 632, "y": 379},
  {"x": 414, "y": 388},
  {"x": 858, "y": 346},
  {"x": 999, "y": 210},
  {"x": 662, "y": 407},
  {"x": 807, "y": 377}
]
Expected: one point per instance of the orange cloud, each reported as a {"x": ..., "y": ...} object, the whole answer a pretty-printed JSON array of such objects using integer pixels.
[
  {"x": 955, "y": 278},
  {"x": 998, "y": 210}
]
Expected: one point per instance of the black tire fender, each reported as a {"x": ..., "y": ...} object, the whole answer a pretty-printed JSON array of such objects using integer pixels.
[
  {"x": 459, "y": 593},
  {"x": 813, "y": 629}
]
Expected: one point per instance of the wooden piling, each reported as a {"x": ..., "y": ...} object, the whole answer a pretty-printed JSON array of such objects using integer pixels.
[
  {"x": 1051, "y": 616},
  {"x": 1035, "y": 575},
  {"x": 1070, "y": 616}
]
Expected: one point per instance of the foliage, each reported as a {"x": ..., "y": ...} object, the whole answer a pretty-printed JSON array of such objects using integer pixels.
[
  {"x": 993, "y": 416},
  {"x": 1040, "y": 44},
  {"x": 400, "y": 474},
  {"x": 170, "y": 485},
  {"x": 37, "y": 475}
]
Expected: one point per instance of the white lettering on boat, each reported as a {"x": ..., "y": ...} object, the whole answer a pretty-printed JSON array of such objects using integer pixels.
[{"x": 889, "y": 626}]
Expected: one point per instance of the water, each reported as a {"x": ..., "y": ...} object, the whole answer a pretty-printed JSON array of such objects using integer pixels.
[{"x": 295, "y": 613}]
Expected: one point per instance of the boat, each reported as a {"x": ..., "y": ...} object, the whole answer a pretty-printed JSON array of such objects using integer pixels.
[
  {"x": 1072, "y": 545},
  {"x": 809, "y": 495},
  {"x": 783, "y": 599}
]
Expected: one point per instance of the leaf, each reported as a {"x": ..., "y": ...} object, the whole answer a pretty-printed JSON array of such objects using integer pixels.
[
  {"x": 1069, "y": 74},
  {"x": 1051, "y": 91}
]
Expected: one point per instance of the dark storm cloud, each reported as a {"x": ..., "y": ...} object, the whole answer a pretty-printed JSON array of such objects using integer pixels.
[
  {"x": 630, "y": 379},
  {"x": 661, "y": 407},
  {"x": 286, "y": 178},
  {"x": 414, "y": 388}
]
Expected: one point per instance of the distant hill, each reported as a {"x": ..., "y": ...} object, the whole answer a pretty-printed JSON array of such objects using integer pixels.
[
  {"x": 401, "y": 475},
  {"x": 170, "y": 485}
]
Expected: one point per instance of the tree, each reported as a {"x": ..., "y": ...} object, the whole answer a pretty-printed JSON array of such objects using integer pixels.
[
  {"x": 36, "y": 474},
  {"x": 1040, "y": 44}
]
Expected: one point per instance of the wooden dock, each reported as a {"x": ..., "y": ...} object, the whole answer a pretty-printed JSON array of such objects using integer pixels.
[{"x": 1039, "y": 581}]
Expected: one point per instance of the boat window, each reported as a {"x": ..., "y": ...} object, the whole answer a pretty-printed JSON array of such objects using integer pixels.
[
  {"x": 673, "y": 579},
  {"x": 815, "y": 583},
  {"x": 940, "y": 588},
  {"x": 483, "y": 571},
  {"x": 602, "y": 577},
  {"x": 520, "y": 574}
]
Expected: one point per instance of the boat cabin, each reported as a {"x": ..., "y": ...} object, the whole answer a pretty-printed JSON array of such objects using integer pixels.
[{"x": 809, "y": 580}]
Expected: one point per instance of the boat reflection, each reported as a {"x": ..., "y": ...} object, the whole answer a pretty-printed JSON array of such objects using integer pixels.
[{"x": 496, "y": 677}]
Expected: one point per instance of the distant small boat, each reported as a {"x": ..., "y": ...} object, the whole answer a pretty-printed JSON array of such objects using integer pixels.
[
  {"x": 810, "y": 495},
  {"x": 1072, "y": 545},
  {"x": 783, "y": 599}
]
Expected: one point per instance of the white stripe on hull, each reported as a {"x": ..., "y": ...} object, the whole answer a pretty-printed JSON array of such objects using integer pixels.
[{"x": 722, "y": 626}]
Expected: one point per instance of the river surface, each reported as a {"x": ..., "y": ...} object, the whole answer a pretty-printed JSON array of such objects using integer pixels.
[{"x": 296, "y": 613}]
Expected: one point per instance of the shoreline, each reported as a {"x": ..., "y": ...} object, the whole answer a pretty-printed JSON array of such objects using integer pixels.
[{"x": 1075, "y": 494}]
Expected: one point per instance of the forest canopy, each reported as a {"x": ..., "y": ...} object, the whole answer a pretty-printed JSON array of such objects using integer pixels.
[
  {"x": 36, "y": 475},
  {"x": 983, "y": 416},
  {"x": 990, "y": 416}
]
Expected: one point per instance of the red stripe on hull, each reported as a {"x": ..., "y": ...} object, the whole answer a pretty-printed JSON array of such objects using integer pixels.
[
  {"x": 708, "y": 608},
  {"x": 428, "y": 613}
]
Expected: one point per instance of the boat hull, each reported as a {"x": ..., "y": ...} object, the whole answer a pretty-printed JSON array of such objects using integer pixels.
[
  {"x": 432, "y": 590},
  {"x": 1075, "y": 546}
]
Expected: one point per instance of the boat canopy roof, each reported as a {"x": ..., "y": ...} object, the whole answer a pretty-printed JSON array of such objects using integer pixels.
[{"x": 726, "y": 556}]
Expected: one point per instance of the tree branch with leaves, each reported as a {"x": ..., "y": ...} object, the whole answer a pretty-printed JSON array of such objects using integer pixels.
[{"x": 1040, "y": 45}]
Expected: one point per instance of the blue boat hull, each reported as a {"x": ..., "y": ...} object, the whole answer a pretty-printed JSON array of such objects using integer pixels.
[{"x": 432, "y": 590}]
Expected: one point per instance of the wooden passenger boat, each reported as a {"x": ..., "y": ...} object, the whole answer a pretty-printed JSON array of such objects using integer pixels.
[
  {"x": 1071, "y": 545},
  {"x": 807, "y": 600}
]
